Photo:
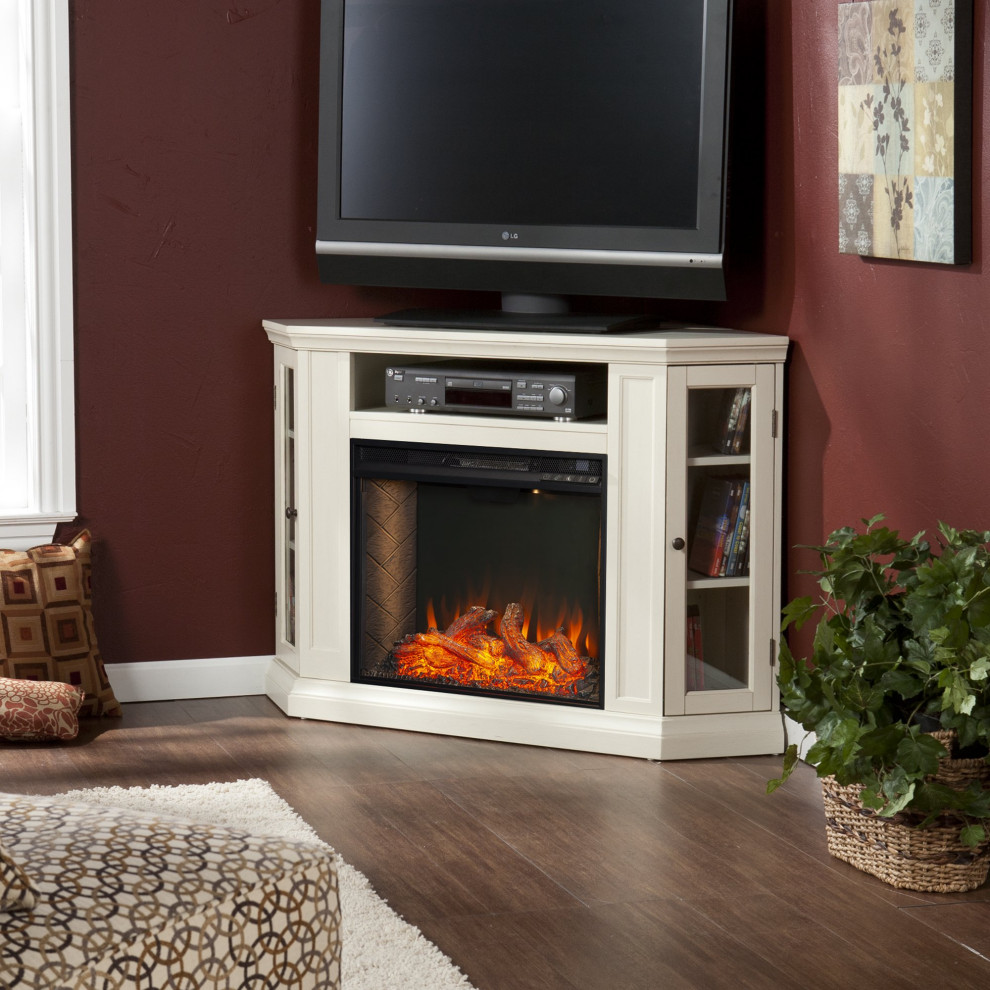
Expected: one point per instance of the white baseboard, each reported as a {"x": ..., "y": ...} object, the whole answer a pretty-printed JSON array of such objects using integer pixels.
[{"x": 173, "y": 680}]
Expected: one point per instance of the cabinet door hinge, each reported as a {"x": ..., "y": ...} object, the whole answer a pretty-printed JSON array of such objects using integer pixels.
[
  {"x": 274, "y": 397},
  {"x": 773, "y": 424},
  {"x": 773, "y": 653}
]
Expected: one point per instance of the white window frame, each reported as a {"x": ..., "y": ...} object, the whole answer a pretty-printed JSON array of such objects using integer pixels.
[{"x": 47, "y": 329}]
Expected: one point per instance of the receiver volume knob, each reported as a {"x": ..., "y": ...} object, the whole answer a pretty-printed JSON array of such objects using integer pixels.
[{"x": 557, "y": 396}]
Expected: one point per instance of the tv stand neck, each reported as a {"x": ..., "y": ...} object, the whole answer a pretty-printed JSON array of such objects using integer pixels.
[{"x": 530, "y": 304}]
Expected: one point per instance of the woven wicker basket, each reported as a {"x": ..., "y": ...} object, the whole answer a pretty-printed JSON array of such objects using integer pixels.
[{"x": 895, "y": 849}]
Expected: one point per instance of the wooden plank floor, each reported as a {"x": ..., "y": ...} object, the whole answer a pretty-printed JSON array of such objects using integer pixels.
[{"x": 555, "y": 870}]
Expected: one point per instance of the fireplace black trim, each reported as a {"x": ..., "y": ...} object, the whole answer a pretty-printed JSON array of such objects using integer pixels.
[
  {"x": 509, "y": 468},
  {"x": 443, "y": 463}
]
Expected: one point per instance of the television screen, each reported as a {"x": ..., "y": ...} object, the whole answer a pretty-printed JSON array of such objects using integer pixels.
[
  {"x": 498, "y": 129},
  {"x": 573, "y": 146}
]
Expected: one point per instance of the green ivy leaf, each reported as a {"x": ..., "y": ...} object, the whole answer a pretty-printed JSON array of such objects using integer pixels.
[
  {"x": 956, "y": 693},
  {"x": 927, "y": 609},
  {"x": 919, "y": 754},
  {"x": 863, "y": 697},
  {"x": 836, "y": 743},
  {"x": 790, "y": 761},
  {"x": 973, "y": 835},
  {"x": 900, "y": 681},
  {"x": 973, "y": 729},
  {"x": 827, "y": 761},
  {"x": 979, "y": 609},
  {"x": 920, "y": 656},
  {"x": 898, "y": 789},
  {"x": 870, "y": 797},
  {"x": 880, "y": 744},
  {"x": 837, "y": 731},
  {"x": 798, "y": 612},
  {"x": 933, "y": 798},
  {"x": 954, "y": 634},
  {"x": 975, "y": 801}
]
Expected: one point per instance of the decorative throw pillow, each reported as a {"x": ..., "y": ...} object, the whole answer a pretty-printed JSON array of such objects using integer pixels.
[
  {"x": 16, "y": 888},
  {"x": 46, "y": 621},
  {"x": 33, "y": 710}
]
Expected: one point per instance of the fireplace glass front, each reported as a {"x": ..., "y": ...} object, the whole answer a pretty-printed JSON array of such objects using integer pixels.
[{"x": 478, "y": 570}]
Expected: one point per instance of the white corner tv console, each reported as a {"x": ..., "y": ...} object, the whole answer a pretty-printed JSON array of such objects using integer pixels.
[{"x": 688, "y": 659}]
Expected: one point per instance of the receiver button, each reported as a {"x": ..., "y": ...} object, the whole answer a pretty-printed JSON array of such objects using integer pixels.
[{"x": 557, "y": 395}]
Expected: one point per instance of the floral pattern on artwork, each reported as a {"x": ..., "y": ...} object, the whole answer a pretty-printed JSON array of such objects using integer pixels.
[
  {"x": 896, "y": 125},
  {"x": 855, "y": 213},
  {"x": 934, "y": 33},
  {"x": 855, "y": 44},
  {"x": 935, "y": 129},
  {"x": 934, "y": 219},
  {"x": 857, "y": 143}
]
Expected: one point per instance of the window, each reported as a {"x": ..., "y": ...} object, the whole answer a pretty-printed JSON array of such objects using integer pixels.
[{"x": 37, "y": 444}]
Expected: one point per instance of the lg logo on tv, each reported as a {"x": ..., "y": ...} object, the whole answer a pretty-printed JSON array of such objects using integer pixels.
[{"x": 508, "y": 235}]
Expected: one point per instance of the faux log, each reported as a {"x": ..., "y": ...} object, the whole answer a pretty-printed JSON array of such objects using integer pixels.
[
  {"x": 470, "y": 623},
  {"x": 408, "y": 648},
  {"x": 528, "y": 655},
  {"x": 562, "y": 648}
]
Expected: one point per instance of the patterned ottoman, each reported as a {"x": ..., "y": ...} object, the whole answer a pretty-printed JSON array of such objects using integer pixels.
[{"x": 108, "y": 899}]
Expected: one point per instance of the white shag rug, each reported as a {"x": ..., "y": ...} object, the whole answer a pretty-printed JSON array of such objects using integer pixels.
[{"x": 380, "y": 950}]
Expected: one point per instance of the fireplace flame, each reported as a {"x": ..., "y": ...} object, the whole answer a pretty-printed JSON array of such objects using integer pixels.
[{"x": 481, "y": 648}]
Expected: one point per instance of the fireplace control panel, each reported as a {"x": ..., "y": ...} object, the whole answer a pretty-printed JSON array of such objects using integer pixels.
[{"x": 557, "y": 392}]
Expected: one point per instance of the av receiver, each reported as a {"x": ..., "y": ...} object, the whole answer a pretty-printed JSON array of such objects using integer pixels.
[{"x": 559, "y": 392}]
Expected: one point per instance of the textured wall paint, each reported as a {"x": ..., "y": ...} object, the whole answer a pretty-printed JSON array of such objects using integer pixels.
[
  {"x": 194, "y": 178},
  {"x": 194, "y": 138},
  {"x": 890, "y": 376}
]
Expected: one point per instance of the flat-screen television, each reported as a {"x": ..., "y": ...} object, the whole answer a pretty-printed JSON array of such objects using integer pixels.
[{"x": 539, "y": 148}]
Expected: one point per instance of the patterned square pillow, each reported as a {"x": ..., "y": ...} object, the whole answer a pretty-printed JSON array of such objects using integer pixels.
[
  {"x": 16, "y": 888},
  {"x": 33, "y": 710},
  {"x": 46, "y": 621}
]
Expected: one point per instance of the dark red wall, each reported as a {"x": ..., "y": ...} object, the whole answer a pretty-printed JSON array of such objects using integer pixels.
[
  {"x": 889, "y": 383},
  {"x": 194, "y": 127},
  {"x": 194, "y": 198}
]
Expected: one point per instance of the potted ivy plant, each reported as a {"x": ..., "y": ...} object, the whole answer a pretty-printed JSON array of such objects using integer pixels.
[{"x": 896, "y": 694}]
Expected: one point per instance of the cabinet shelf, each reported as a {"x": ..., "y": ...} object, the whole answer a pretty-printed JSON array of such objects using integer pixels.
[
  {"x": 521, "y": 432},
  {"x": 594, "y": 424},
  {"x": 703, "y": 582},
  {"x": 705, "y": 457}
]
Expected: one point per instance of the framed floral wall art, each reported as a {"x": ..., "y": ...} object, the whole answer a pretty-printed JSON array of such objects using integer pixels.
[{"x": 905, "y": 129}]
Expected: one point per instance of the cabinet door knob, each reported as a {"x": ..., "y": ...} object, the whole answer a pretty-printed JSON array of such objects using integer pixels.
[
  {"x": 291, "y": 513},
  {"x": 677, "y": 543}
]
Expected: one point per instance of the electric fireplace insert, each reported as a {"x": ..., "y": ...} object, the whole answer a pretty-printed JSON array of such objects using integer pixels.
[{"x": 478, "y": 570}]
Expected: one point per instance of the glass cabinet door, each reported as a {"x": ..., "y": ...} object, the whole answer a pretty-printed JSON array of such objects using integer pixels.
[
  {"x": 287, "y": 514},
  {"x": 720, "y": 525}
]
